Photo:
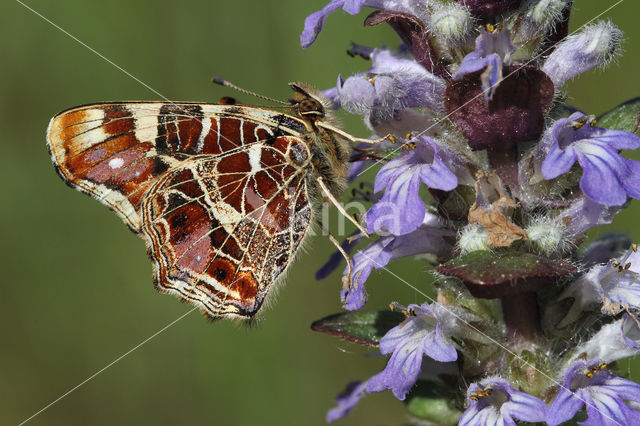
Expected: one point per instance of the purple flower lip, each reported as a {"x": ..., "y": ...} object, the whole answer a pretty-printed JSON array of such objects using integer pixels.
[{"x": 590, "y": 384}]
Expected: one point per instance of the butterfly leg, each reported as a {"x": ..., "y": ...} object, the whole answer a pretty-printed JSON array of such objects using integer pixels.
[
  {"x": 354, "y": 139},
  {"x": 341, "y": 209},
  {"x": 346, "y": 279}
]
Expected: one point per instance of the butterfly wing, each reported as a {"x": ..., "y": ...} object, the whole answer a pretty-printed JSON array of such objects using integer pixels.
[{"x": 218, "y": 192}]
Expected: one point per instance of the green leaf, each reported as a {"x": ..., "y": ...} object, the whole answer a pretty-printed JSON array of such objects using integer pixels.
[
  {"x": 624, "y": 117},
  {"x": 500, "y": 274},
  {"x": 435, "y": 402},
  {"x": 365, "y": 328}
]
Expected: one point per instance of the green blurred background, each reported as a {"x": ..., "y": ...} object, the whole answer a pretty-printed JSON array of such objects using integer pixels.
[{"x": 76, "y": 284}]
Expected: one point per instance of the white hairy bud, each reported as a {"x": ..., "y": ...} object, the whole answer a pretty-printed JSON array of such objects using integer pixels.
[
  {"x": 545, "y": 13},
  {"x": 472, "y": 238},
  {"x": 451, "y": 22},
  {"x": 545, "y": 234}
]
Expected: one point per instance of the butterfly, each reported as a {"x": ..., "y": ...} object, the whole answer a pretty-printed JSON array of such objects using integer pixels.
[{"x": 223, "y": 194}]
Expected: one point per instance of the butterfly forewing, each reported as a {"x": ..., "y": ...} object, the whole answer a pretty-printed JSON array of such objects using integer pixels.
[{"x": 217, "y": 191}]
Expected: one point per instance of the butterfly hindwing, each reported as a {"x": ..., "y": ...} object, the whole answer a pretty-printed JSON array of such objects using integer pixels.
[{"x": 217, "y": 191}]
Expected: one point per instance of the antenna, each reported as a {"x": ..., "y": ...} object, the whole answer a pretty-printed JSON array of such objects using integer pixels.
[{"x": 222, "y": 82}]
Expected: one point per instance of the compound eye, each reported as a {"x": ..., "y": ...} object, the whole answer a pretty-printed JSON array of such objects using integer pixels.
[{"x": 310, "y": 106}]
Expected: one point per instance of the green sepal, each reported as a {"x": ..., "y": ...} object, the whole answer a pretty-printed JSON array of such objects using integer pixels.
[
  {"x": 362, "y": 327},
  {"x": 531, "y": 370},
  {"x": 624, "y": 117}
]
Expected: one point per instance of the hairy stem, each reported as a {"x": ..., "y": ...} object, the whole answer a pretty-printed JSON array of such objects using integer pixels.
[{"x": 522, "y": 320}]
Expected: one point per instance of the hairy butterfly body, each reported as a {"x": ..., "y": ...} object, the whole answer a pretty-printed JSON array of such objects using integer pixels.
[{"x": 223, "y": 195}]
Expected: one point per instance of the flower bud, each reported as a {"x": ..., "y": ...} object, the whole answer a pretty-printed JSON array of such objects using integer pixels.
[
  {"x": 546, "y": 12},
  {"x": 594, "y": 46},
  {"x": 451, "y": 22},
  {"x": 473, "y": 238},
  {"x": 545, "y": 234}
]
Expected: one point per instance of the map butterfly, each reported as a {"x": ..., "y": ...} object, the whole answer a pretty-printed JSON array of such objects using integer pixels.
[{"x": 222, "y": 194}]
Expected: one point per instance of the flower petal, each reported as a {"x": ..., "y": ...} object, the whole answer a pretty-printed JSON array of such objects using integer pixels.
[
  {"x": 524, "y": 407},
  {"x": 473, "y": 62},
  {"x": 436, "y": 347},
  {"x": 438, "y": 176},
  {"x": 392, "y": 170},
  {"x": 469, "y": 417},
  {"x": 624, "y": 388},
  {"x": 347, "y": 400},
  {"x": 616, "y": 139},
  {"x": 376, "y": 255},
  {"x": 558, "y": 161},
  {"x": 401, "y": 371},
  {"x": 629, "y": 175},
  {"x": 401, "y": 209},
  {"x": 565, "y": 406},
  {"x": 313, "y": 23},
  {"x": 599, "y": 182},
  {"x": 607, "y": 409}
]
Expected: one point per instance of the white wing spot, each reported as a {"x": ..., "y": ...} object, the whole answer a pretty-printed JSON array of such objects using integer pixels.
[
  {"x": 116, "y": 163},
  {"x": 226, "y": 215},
  {"x": 255, "y": 153}
]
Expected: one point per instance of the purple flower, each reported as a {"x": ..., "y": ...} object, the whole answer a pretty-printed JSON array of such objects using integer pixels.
[
  {"x": 418, "y": 335},
  {"x": 428, "y": 238},
  {"x": 392, "y": 83},
  {"x": 494, "y": 402},
  {"x": 608, "y": 178},
  {"x": 347, "y": 400},
  {"x": 493, "y": 50},
  {"x": 592, "y": 47},
  {"x": 603, "y": 394},
  {"x": 313, "y": 23},
  {"x": 401, "y": 210}
]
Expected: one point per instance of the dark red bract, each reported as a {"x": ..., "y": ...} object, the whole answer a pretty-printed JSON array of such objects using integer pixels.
[{"x": 514, "y": 114}]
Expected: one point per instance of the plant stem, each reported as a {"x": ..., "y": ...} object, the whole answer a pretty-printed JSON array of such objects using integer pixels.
[{"x": 522, "y": 320}]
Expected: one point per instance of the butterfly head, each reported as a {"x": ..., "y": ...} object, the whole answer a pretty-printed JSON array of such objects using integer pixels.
[{"x": 311, "y": 105}]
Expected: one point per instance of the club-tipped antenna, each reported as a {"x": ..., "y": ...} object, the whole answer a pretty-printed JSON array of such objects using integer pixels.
[{"x": 222, "y": 82}]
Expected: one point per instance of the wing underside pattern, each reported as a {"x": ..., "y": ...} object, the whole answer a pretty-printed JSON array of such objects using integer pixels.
[{"x": 218, "y": 192}]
